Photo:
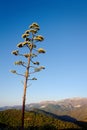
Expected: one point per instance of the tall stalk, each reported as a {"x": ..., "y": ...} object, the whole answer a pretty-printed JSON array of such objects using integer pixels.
[
  {"x": 25, "y": 87},
  {"x": 30, "y": 42}
]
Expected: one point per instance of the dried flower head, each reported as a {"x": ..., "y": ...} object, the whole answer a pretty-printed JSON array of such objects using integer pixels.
[
  {"x": 33, "y": 25},
  {"x": 16, "y": 52},
  {"x": 34, "y": 78},
  {"x": 27, "y": 31},
  {"x": 19, "y": 63},
  {"x": 42, "y": 67},
  {"x": 36, "y": 63},
  {"x": 37, "y": 28},
  {"x": 39, "y": 69},
  {"x": 13, "y": 71},
  {"x": 41, "y": 50},
  {"x": 25, "y": 43},
  {"x": 20, "y": 45},
  {"x": 33, "y": 31},
  {"x": 25, "y": 35},
  {"x": 39, "y": 38},
  {"x": 26, "y": 55},
  {"x": 33, "y": 55}
]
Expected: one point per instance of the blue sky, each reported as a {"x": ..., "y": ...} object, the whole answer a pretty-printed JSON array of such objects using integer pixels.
[{"x": 63, "y": 24}]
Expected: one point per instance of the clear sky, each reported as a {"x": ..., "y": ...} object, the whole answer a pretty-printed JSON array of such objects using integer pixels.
[{"x": 63, "y": 24}]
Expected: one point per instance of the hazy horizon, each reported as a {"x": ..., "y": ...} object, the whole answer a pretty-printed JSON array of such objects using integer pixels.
[{"x": 42, "y": 101}]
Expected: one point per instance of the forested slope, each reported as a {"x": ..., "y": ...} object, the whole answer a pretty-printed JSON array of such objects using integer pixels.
[{"x": 34, "y": 120}]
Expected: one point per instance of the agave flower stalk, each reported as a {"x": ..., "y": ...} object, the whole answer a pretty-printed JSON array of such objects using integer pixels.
[{"x": 30, "y": 39}]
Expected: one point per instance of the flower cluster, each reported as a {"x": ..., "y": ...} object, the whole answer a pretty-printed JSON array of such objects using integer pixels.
[{"x": 30, "y": 41}]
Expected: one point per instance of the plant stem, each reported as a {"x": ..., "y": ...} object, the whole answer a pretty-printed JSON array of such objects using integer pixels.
[
  {"x": 25, "y": 87},
  {"x": 23, "y": 106}
]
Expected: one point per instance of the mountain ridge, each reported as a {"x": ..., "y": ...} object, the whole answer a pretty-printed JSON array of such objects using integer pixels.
[{"x": 75, "y": 102}]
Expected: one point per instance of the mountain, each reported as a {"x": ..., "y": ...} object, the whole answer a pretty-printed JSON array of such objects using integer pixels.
[
  {"x": 68, "y": 104},
  {"x": 74, "y": 107}
]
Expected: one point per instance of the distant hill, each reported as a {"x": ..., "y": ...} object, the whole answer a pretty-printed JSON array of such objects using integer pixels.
[
  {"x": 35, "y": 120},
  {"x": 75, "y": 107}
]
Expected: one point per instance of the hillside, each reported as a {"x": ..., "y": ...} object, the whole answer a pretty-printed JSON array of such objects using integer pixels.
[
  {"x": 34, "y": 120},
  {"x": 75, "y": 107}
]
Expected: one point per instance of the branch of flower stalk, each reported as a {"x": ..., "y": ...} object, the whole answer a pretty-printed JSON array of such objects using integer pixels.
[
  {"x": 40, "y": 50},
  {"x": 32, "y": 72},
  {"x": 27, "y": 47},
  {"x": 20, "y": 74},
  {"x": 24, "y": 66},
  {"x": 16, "y": 53},
  {"x": 15, "y": 72},
  {"x": 32, "y": 66},
  {"x": 20, "y": 63},
  {"x": 32, "y": 61},
  {"x": 35, "y": 63}
]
